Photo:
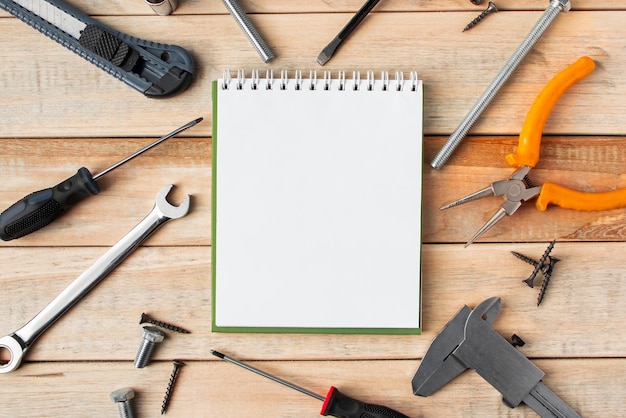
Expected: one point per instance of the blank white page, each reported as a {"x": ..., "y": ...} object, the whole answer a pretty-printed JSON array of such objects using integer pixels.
[{"x": 317, "y": 206}]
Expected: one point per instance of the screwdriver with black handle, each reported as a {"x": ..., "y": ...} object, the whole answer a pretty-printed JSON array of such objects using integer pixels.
[
  {"x": 336, "y": 404},
  {"x": 40, "y": 208}
]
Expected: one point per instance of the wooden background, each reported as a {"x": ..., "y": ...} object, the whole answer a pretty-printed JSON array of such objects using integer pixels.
[{"x": 58, "y": 113}]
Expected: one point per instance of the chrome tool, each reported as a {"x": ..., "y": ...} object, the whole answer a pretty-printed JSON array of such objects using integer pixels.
[{"x": 21, "y": 340}]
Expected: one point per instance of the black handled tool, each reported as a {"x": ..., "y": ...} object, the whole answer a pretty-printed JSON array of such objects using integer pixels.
[
  {"x": 40, "y": 208},
  {"x": 154, "y": 69},
  {"x": 336, "y": 404},
  {"x": 329, "y": 49}
]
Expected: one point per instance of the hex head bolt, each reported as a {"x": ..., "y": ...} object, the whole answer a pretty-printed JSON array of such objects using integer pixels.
[
  {"x": 122, "y": 398},
  {"x": 151, "y": 336}
]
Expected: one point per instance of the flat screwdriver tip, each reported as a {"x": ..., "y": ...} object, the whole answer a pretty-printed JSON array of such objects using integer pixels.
[
  {"x": 328, "y": 51},
  {"x": 218, "y": 354},
  {"x": 322, "y": 58}
]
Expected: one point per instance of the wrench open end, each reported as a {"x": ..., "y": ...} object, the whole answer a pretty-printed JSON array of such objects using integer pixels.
[
  {"x": 169, "y": 210},
  {"x": 16, "y": 352}
]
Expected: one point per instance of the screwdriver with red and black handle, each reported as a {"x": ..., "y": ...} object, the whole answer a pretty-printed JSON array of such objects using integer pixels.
[
  {"x": 336, "y": 404},
  {"x": 40, "y": 208}
]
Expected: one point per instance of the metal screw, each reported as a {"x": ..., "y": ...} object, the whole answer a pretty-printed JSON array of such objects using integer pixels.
[
  {"x": 170, "y": 386},
  {"x": 555, "y": 7},
  {"x": 477, "y": 2},
  {"x": 546, "y": 279},
  {"x": 122, "y": 398},
  {"x": 242, "y": 19},
  {"x": 540, "y": 264},
  {"x": 151, "y": 336},
  {"x": 490, "y": 9},
  {"x": 146, "y": 319}
]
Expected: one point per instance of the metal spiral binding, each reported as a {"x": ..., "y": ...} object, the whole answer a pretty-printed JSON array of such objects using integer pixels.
[{"x": 339, "y": 81}]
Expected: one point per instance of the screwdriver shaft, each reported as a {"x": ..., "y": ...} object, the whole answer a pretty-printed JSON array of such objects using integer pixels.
[
  {"x": 148, "y": 147},
  {"x": 267, "y": 375}
]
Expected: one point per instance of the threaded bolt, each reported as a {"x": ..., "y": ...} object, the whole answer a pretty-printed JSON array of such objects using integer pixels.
[
  {"x": 490, "y": 9},
  {"x": 544, "y": 22},
  {"x": 236, "y": 11},
  {"x": 170, "y": 386},
  {"x": 151, "y": 336},
  {"x": 122, "y": 398}
]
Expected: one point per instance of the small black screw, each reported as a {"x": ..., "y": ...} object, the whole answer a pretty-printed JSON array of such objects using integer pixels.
[
  {"x": 146, "y": 319},
  {"x": 490, "y": 9},
  {"x": 170, "y": 386},
  {"x": 546, "y": 279},
  {"x": 539, "y": 265}
]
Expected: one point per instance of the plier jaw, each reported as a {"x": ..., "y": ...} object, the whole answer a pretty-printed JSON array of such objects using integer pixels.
[{"x": 516, "y": 189}]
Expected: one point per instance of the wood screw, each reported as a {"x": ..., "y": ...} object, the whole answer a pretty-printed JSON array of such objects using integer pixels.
[
  {"x": 146, "y": 319},
  {"x": 170, "y": 386},
  {"x": 490, "y": 9}
]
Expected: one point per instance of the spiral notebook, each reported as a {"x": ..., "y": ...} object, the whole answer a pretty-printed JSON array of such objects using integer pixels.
[{"x": 317, "y": 186}]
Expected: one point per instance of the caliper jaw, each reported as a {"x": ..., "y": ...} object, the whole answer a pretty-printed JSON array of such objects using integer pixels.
[{"x": 469, "y": 341}]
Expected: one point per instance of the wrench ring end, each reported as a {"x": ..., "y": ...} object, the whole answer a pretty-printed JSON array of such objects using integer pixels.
[{"x": 16, "y": 352}]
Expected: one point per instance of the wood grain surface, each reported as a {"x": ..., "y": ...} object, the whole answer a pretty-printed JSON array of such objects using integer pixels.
[{"x": 58, "y": 112}]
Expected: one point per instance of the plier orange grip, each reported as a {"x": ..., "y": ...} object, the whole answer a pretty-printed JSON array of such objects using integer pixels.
[{"x": 518, "y": 188}]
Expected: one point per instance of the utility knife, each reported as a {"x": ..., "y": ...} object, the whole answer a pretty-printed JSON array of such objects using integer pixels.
[{"x": 154, "y": 69}]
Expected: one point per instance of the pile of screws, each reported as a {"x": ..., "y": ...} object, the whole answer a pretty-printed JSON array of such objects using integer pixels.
[
  {"x": 545, "y": 265},
  {"x": 151, "y": 335}
]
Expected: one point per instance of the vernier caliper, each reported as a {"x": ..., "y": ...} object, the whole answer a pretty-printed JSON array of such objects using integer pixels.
[
  {"x": 469, "y": 342},
  {"x": 154, "y": 69}
]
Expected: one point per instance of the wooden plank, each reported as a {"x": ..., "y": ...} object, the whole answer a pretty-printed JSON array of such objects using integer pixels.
[
  {"x": 127, "y": 193},
  {"x": 43, "y": 98},
  {"x": 590, "y": 164},
  {"x": 217, "y": 388},
  {"x": 582, "y": 163},
  {"x": 173, "y": 283},
  {"x": 121, "y": 7}
]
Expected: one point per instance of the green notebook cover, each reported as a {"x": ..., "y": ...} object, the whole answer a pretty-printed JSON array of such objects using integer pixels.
[{"x": 316, "y": 205}]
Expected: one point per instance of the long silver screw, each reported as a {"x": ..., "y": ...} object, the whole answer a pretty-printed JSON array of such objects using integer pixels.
[
  {"x": 122, "y": 398},
  {"x": 491, "y": 8},
  {"x": 244, "y": 22},
  {"x": 553, "y": 10},
  {"x": 151, "y": 336}
]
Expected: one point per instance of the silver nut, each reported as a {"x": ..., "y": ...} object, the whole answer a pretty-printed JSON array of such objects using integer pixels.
[
  {"x": 122, "y": 395},
  {"x": 153, "y": 334}
]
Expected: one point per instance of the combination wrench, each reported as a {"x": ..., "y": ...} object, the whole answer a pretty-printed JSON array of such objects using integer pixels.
[{"x": 20, "y": 341}]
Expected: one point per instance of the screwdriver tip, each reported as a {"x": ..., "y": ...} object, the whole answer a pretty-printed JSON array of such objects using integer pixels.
[
  {"x": 197, "y": 121},
  {"x": 328, "y": 51},
  {"x": 322, "y": 58},
  {"x": 218, "y": 354}
]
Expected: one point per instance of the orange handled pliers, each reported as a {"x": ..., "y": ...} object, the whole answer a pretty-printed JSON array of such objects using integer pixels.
[{"x": 518, "y": 188}]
